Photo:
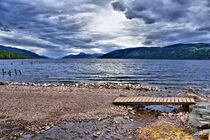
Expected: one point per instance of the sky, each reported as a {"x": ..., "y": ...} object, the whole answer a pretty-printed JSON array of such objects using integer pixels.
[{"x": 56, "y": 28}]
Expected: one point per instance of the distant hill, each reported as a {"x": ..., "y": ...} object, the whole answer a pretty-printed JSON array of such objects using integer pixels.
[
  {"x": 177, "y": 51},
  {"x": 83, "y": 55},
  {"x": 12, "y": 53}
]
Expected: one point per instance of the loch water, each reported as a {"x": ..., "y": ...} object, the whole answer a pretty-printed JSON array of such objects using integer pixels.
[{"x": 174, "y": 74}]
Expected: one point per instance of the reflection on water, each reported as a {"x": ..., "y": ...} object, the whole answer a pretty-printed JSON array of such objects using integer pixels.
[{"x": 162, "y": 73}]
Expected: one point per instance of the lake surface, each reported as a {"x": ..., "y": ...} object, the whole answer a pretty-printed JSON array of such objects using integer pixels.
[{"x": 179, "y": 74}]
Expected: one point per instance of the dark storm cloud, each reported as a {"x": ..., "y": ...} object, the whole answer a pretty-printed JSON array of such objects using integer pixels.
[
  {"x": 55, "y": 24},
  {"x": 119, "y": 6},
  {"x": 207, "y": 28},
  {"x": 167, "y": 21},
  {"x": 151, "y": 11},
  {"x": 57, "y": 27}
]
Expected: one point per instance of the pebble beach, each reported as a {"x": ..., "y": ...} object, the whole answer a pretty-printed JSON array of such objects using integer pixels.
[{"x": 76, "y": 111}]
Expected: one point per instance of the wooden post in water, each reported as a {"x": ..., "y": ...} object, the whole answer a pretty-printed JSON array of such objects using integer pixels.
[
  {"x": 3, "y": 72},
  {"x": 20, "y": 72},
  {"x": 15, "y": 72},
  {"x": 9, "y": 72}
]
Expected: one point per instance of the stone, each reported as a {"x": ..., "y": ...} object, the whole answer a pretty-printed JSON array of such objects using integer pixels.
[
  {"x": 192, "y": 93},
  {"x": 126, "y": 117},
  {"x": 95, "y": 135},
  {"x": 4, "y": 83},
  {"x": 200, "y": 115},
  {"x": 130, "y": 108},
  {"x": 208, "y": 98},
  {"x": 47, "y": 127},
  {"x": 44, "y": 85},
  {"x": 191, "y": 90},
  {"x": 203, "y": 134},
  {"x": 98, "y": 133}
]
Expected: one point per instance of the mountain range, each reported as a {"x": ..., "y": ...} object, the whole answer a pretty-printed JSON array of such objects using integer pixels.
[
  {"x": 83, "y": 55},
  {"x": 177, "y": 51}
]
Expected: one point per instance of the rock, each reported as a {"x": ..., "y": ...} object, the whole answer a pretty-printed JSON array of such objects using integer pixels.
[
  {"x": 126, "y": 117},
  {"x": 163, "y": 114},
  {"x": 130, "y": 108},
  {"x": 47, "y": 127},
  {"x": 132, "y": 112},
  {"x": 121, "y": 95},
  {"x": 192, "y": 93},
  {"x": 203, "y": 134},
  {"x": 198, "y": 98},
  {"x": 98, "y": 133},
  {"x": 44, "y": 85},
  {"x": 208, "y": 98},
  {"x": 200, "y": 115},
  {"x": 95, "y": 135},
  {"x": 4, "y": 83}
]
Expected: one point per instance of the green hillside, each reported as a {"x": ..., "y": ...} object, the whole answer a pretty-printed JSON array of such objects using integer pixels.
[
  {"x": 177, "y": 51},
  {"x": 11, "y": 55}
]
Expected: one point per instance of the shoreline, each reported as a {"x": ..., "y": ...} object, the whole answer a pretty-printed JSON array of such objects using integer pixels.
[
  {"x": 89, "y": 85},
  {"x": 37, "y": 108}
]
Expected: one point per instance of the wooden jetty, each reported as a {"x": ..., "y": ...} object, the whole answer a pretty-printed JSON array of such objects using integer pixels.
[{"x": 154, "y": 101}]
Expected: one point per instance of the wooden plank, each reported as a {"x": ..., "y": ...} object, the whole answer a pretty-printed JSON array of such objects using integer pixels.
[
  {"x": 123, "y": 99},
  {"x": 188, "y": 100},
  {"x": 161, "y": 100},
  {"x": 164, "y": 100},
  {"x": 176, "y": 100},
  {"x": 128, "y": 99},
  {"x": 172, "y": 100},
  {"x": 154, "y": 100},
  {"x": 146, "y": 99},
  {"x": 150, "y": 100},
  {"x": 192, "y": 100},
  {"x": 184, "y": 100},
  {"x": 117, "y": 100},
  {"x": 143, "y": 99},
  {"x": 168, "y": 100},
  {"x": 157, "y": 100},
  {"x": 136, "y": 99},
  {"x": 131, "y": 99},
  {"x": 180, "y": 100}
]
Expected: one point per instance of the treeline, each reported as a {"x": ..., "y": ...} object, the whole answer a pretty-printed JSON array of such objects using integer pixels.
[{"x": 11, "y": 55}]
